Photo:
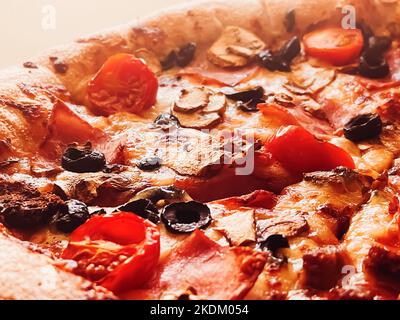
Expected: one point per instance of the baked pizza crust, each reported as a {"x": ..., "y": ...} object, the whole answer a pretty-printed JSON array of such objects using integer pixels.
[
  {"x": 69, "y": 67},
  {"x": 27, "y": 92},
  {"x": 27, "y": 275}
]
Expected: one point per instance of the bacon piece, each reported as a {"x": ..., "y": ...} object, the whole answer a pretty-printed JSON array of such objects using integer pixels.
[
  {"x": 208, "y": 269},
  {"x": 384, "y": 264},
  {"x": 275, "y": 116},
  {"x": 322, "y": 267},
  {"x": 66, "y": 127}
]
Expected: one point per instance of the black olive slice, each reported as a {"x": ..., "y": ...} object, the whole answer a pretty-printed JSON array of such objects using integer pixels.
[
  {"x": 256, "y": 93},
  {"x": 250, "y": 106},
  {"x": 268, "y": 60},
  {"x": 366, "y": 32},
  {"x": 181, "y": 58},
  {"x": 166, "y": 121},
  {"x": 290, "y": 50},
  {"x": 83, "y": 159},
  {"x": 143, "y": 208},
  {"x": 363, "y": 127},
  {"x": 379, "y": 44},
  {"x": 281, "y": 60},
  {"x": 186, "y": 217},
  {"x": 375, "y": 71},
  {"x": 273, "y": 243},
  {"x": 150, "y": 164},
  {"x": 77, "y": 213},
  {"x": 186, "y": 55},
  {"x": 290, "y": 20},
  {"x": 273, "y": 62}
]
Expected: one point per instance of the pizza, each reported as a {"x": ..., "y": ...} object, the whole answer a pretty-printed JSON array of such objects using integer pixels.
[{"x": 217, "y": 151}]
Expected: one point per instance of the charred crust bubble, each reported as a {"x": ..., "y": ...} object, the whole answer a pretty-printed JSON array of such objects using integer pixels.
[
  {"x": 74, "y": 215},
  {"x": 24, "y": 207},
  {"x": 83, "y": 159},
  {"x": 169, "y": 61},
  {"x": 30, "y": 65},
  {"x": 59, "y": 66},
  {"x": 186, "y": 217},
  {"x": 143, "y": 208},
  {"x": 186, "y": 55},
  {"x": 363, "y": 127},
  {"x": 181, "y": 58}
]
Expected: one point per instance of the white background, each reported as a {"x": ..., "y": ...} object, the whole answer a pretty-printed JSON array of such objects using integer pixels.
[{"x": 23, "y": 36}]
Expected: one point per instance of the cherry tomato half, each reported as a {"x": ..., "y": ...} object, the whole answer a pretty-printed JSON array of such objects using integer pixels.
[
  {"x": 124, "y": 83},
  {"x": 334, "y": 45},
  {"x": 300, "y": 152},
  {"x": 119, "y": 251}
]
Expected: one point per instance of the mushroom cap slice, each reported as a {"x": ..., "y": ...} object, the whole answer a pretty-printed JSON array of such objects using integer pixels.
[
  {"x": 217, "y": 104},
  {"x": 235, "y": 48},
  {"x": 192, "y": 100},
  {"x": 311, "y": 79},
  {"x": 198, "y": 120}
]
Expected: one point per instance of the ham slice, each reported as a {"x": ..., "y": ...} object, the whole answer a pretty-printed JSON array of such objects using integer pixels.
[
  {"x": 206, "y": 270},
  {"x": 68, "y": 127},
  {"x": 217, "y": 76}
]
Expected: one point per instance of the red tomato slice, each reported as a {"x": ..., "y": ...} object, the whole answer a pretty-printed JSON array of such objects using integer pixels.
[
  {"x": 124, "y": 83},
  {"x": 300, "y": 152},
  {"x": 334, "y": 45},
  {"x": 118, "y": 251}
]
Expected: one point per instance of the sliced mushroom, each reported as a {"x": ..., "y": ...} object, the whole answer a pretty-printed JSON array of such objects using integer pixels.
[
  {"x": 150, "y": 59},
  {"x": 99, "y": 188},
  {"x": 238, "y": 233},
  {"x": 235, "y": 48},
  {"x": 199, "y": 108},
  {"x": 192, "y": 153},
  {"x": 170, "y": 194},
  {"x": 217, "y": 104},
  {"x": 198, "y": 120},
  {"x": 288, "y": 224},
  {"x": 311, "y": 79},
  {"x": 192, "y": 100}
]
